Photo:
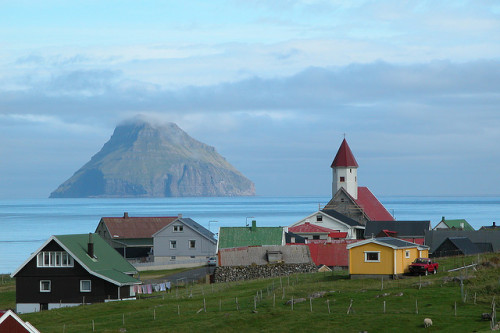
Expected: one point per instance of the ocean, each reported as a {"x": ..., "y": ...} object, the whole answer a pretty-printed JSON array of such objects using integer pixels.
[{"x": 26, "y": 224}]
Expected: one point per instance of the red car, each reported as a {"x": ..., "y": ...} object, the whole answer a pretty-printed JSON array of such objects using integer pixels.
[{"x": 424, "y": 266}]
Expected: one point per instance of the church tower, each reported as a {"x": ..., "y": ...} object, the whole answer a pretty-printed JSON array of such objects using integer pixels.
[{"x": 345, "y": 171}]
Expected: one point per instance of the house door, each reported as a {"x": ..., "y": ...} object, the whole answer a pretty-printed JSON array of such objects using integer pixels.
[{"x": 44, "y": 306}]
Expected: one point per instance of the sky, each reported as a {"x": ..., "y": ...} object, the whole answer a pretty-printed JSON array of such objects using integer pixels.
[{"x": 274, "y": 86}]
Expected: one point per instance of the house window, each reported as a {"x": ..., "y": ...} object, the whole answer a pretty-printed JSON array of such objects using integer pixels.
[
  {"x": 45, "y": 286},
  {"x": 178, "y": 228},
  {"x": 319, "y": 218},
  {"x": 172, "y": 258},
  {"x": 192, "y": 244},
  {"x": 85, "y": 286},
  {"x": 54, "y": 259},
  {"x": 407, "y": 253},
  {"x": 315, "y": 236},
  {"x": 342, "y": 179},
  {"x": 173, "y": 244},
  {"x": 372, "y": 256},
  {"x": 192, "y": 257}
]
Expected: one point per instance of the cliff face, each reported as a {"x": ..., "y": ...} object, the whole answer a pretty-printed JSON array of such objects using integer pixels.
[{"x": 146, "y": 160}]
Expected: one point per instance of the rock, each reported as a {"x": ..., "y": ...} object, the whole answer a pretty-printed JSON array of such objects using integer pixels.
[
  {"x": 143, "y": 159},
  {"x": 295, "y": 301},
  {"x": 486, "y": 316}
]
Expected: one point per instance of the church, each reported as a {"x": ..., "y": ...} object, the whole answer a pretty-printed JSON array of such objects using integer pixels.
[
  {"x": 349, "y": 199},
  {"x": 351, "y": 206}
]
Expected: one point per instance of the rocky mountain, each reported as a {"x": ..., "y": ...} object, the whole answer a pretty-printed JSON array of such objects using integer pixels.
[{"x": 148, "y": 160}]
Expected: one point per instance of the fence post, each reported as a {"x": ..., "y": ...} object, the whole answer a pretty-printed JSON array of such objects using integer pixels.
[
  {"x": 328, "y": 304},
  {"x": 384, "y": 306},
  {"x": 416, "y": 306},
  {"x": 311, "y": 303}
]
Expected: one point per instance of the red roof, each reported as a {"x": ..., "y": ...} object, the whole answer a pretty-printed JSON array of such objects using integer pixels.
[
  {"x": 344, "y": 157},
  {"x": 310, "y": 228},
  {"x": 136, "y": 227},
  {"x": 371, "y": 206}
]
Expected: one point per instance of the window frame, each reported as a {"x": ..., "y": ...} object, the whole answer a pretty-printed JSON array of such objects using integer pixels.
[
  {"x": 178, "y": 228},
  {"x": 85, "y": 290},
  {"x": 54, "y": 259},
  {"x": 192, "y": 246},
  {"x": 319, "y": 218},
  {"x": 49, "y": 286},
  {"x": 367, "y": 253},
  {"x": 342, "y": 179},
  {"x": 173, "y": 244},
  {"x": 407, "y": 254}
]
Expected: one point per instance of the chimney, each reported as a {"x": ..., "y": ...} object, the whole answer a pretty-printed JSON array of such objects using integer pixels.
[
  {"x": 254, "y": 225},
  {"x": 494, "y": 225},
  {"x": 179, "y": 216},
  {"x": 442, "y": 219},
  {"x": 125, "y": 215},
  {"x": 90, "y": 247}
]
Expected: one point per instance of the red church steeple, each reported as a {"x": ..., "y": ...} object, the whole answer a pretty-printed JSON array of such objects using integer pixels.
[{"x": 344, "y": 157}]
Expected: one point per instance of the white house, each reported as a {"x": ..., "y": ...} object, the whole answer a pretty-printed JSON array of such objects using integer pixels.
[{"x": 331, "y": 219}]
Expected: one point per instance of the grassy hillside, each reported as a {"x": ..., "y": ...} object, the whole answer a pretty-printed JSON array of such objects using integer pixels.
[{"x": 259, "y": 305}]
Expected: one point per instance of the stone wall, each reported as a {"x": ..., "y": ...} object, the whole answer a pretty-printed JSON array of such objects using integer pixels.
[{"x": 237, "y": 273}]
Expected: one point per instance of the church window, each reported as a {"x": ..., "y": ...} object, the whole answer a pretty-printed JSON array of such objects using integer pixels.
[{"x": 342, "y": 179}]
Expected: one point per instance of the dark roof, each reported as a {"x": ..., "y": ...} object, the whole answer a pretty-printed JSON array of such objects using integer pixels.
[
  {"x": 298, "y": 239},
  {"x": 434, "y": 238},
  {"x": 402, "y": 228},
  {"x": 484, "y": 247},
  {"x": 463, "y": 244},
  {"x": 344, "y": 157},
  {"x": 135, "y": 227},
  {"x": 199, "y": 228},
  {"x": 395, "y": 242},
  {"x": 392, "y": 242},
  {"x": 341, "y": 217}
]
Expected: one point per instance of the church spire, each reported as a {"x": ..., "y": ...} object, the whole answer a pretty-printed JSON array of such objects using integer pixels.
[
  {"x": 344, "y": 157},
  {"x": 345, "y": 172}
]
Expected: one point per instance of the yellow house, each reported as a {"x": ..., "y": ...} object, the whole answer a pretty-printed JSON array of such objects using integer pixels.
[{"x": 383, "y": 256}]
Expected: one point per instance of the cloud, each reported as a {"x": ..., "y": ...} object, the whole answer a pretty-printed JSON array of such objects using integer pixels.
[{"x": 424, "y": 118}]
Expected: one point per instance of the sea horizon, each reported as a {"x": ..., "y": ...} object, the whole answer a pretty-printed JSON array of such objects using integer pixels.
[{"x": 27, "y": 223}]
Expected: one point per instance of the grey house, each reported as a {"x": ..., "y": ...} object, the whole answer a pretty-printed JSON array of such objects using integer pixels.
[{"x": 183, "y": 240}]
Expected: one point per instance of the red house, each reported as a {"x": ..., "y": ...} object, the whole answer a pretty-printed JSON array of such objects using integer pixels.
[{"x": 11, "y": 323}]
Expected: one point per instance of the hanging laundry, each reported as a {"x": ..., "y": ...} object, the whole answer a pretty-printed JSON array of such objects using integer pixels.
[{"x": 150, "y": 289}]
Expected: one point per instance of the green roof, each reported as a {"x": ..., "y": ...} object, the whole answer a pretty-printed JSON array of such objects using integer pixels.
[
  {"x": 249, "y": 236},
  {"x": 108, "y": 264},
  {"x": 457, "y": 224}
]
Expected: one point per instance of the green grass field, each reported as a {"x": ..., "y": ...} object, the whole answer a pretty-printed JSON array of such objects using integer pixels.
[{"x": 259, "y": 305}]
